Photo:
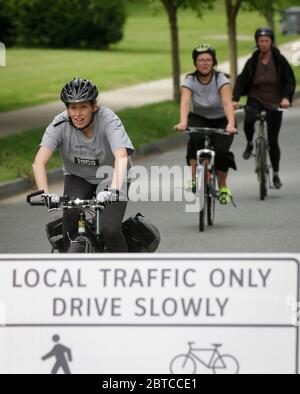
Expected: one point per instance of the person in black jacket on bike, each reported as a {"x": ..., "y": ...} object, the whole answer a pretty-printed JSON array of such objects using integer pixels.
[{"x": 269, "y": 82}]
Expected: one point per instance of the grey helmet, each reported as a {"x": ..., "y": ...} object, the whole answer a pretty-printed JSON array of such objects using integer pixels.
[
  {"x": 78, "y": 91},
  {"x": 265, "y": 32},
  {"x": 205, "y": 48}
]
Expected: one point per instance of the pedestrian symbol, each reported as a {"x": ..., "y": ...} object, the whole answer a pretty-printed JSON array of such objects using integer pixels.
[{"x": 63, "y": 356}]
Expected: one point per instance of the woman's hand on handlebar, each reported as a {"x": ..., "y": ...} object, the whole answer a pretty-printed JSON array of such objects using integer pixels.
[
  {"x": 182, "y": 126},
  {"x": 51, "y": 200},
  {"x": 285, "y": 103},
  {"x": 231, "y": 129},
  {"x": 236, "y": 105}
]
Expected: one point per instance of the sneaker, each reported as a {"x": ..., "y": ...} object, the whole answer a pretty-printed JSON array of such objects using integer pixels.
[
  {"x": 192, "y": 186},
  {"x": 225, "y": 196},
  {"x": 277, "y": 182},
  {"x": 248, "y": 152}
]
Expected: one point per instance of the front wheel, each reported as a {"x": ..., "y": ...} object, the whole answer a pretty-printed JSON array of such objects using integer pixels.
[
  {"x": 202, "y": 219},
  {"x": 211, "y": 201},
  {"x": 262, "y": 169},
  {"x": 183, "y": 365},
  {"x": 202, "y": 215},
  {"x": 81, "y": 245}
]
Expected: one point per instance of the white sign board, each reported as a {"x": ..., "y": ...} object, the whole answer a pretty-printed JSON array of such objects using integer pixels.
[{"x": 139, "y": 314}]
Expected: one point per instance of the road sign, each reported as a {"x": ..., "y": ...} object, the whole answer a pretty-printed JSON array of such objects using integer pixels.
[{"x": 103, "y": 314}]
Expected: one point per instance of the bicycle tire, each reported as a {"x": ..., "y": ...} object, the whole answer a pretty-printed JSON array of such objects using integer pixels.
[
  {"x": 186, "y": 366},
  {"x": 202, "y": 215},
  {"x": 79, "y": 246},
  {"x": 262, "y": 169},
  {"x": 211, "y": 202},
  {"x": 226, "y": 364}
]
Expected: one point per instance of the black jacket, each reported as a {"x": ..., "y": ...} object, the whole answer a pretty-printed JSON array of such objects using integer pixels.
[{"x": 284, "y": 70}]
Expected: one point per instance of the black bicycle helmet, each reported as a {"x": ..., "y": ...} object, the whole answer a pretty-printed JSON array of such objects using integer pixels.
[
  {"x": 205, "y": 48},
  {"x": 79, "y": 90},
  {"x": 265, "y": 32}
]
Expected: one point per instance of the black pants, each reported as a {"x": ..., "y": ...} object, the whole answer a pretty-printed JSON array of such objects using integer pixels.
[
  {"x": 274, "y": 121},
  {"x": 224, "y": 158},
  {"x": 112, "y": 216}
]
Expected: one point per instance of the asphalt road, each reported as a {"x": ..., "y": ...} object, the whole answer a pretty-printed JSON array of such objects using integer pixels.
[{"x": 254, "y": 226}]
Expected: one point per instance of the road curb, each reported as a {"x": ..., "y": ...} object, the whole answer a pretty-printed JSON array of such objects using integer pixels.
[{"x": 18, "y": 186}]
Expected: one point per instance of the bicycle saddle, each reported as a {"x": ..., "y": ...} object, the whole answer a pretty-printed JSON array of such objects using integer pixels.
[{"x": 216, "y": 345}]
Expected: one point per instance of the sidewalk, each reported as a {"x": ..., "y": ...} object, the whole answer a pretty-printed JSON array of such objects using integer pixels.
[{"x": 13, "y": 122}]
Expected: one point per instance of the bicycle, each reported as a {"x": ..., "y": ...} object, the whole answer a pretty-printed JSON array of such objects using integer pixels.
[
  {"x": 207, "y": 179},
  {"x": 141, "y": 235},
  {"x": 262, "y": 152},
  {"x": 218, "y": 363},
  {"x": 89, "y": 239}
]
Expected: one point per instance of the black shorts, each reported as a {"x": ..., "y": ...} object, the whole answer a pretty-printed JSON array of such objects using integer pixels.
[{"x": 224, "y": 158}]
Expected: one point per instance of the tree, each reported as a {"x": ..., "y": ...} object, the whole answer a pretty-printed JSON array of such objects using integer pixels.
[
  {"x": 269, "y": 9},
  {"x": 266, "y": 8},
  {"x": 232, "y": 9},
  {"x": 7, "y": 25},
  {"x": 69, "y": 23},
  {"x": 172, "y": 7}
]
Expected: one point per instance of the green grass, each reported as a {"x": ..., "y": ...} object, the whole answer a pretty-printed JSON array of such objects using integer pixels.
[
  {"x": 35, "y": 76},
  {"x": 144, "y": 125},
  {"x": 17, "y": 153}
]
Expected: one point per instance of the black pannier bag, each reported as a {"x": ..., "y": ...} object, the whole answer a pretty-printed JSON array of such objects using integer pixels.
[
  {"x": 54, "y": 232},
  {"x": 141, "y": 235}
]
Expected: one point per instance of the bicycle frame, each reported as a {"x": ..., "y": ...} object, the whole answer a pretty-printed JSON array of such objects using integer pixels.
[
  {"x": 206, "y": 181},
  {"x": 264, "y": 177},
  {"x": 215, "y": 355},
  {"x": 92, "y": 239},
  {"x": 204, "y": 156},
  {"x": 261, "y": 135}
]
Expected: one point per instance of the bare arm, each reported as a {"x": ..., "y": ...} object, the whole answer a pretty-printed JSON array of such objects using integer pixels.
[
  {"x": 185, "y": 102},
  {"x": 40, "y": 168},
  {"x": 226, "y": 97},
  {"x": 120, "y": 170}
]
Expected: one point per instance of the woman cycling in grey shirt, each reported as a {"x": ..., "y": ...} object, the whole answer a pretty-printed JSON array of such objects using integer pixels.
[
  {"x": 95, "y": 151},
  {"x": 210, "y": 94}
]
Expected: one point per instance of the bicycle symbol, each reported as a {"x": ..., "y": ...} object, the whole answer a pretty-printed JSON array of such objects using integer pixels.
[{"x": 219, "y": 363}]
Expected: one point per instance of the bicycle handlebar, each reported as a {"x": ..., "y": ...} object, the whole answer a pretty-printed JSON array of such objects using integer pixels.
[
  {"x": 35, "y": 203},
  {"x": 247, "y": 108},
  {"x": 64, "y": 202},
  {"x": 206, "y": 131}
]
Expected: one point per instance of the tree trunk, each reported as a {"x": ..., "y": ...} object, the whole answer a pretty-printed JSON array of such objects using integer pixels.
[
  {"x": 232, "y": 8},
  {"x": 270, "y": 18},
  {"x": 172, "y": 14}
]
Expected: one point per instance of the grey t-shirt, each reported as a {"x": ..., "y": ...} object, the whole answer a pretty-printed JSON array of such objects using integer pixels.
[
  {"x": 89, "y": 158},
  {"x": 206, "y": 99}
]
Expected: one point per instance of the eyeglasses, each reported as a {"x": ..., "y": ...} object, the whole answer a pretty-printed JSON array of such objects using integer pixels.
[{"x": 205, "y": 61}]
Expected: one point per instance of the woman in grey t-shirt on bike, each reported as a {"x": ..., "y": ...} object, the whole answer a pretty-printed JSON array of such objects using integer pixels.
[
  {"x": 210, "y": 95},
  {"x": 96, "y": 153}
]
